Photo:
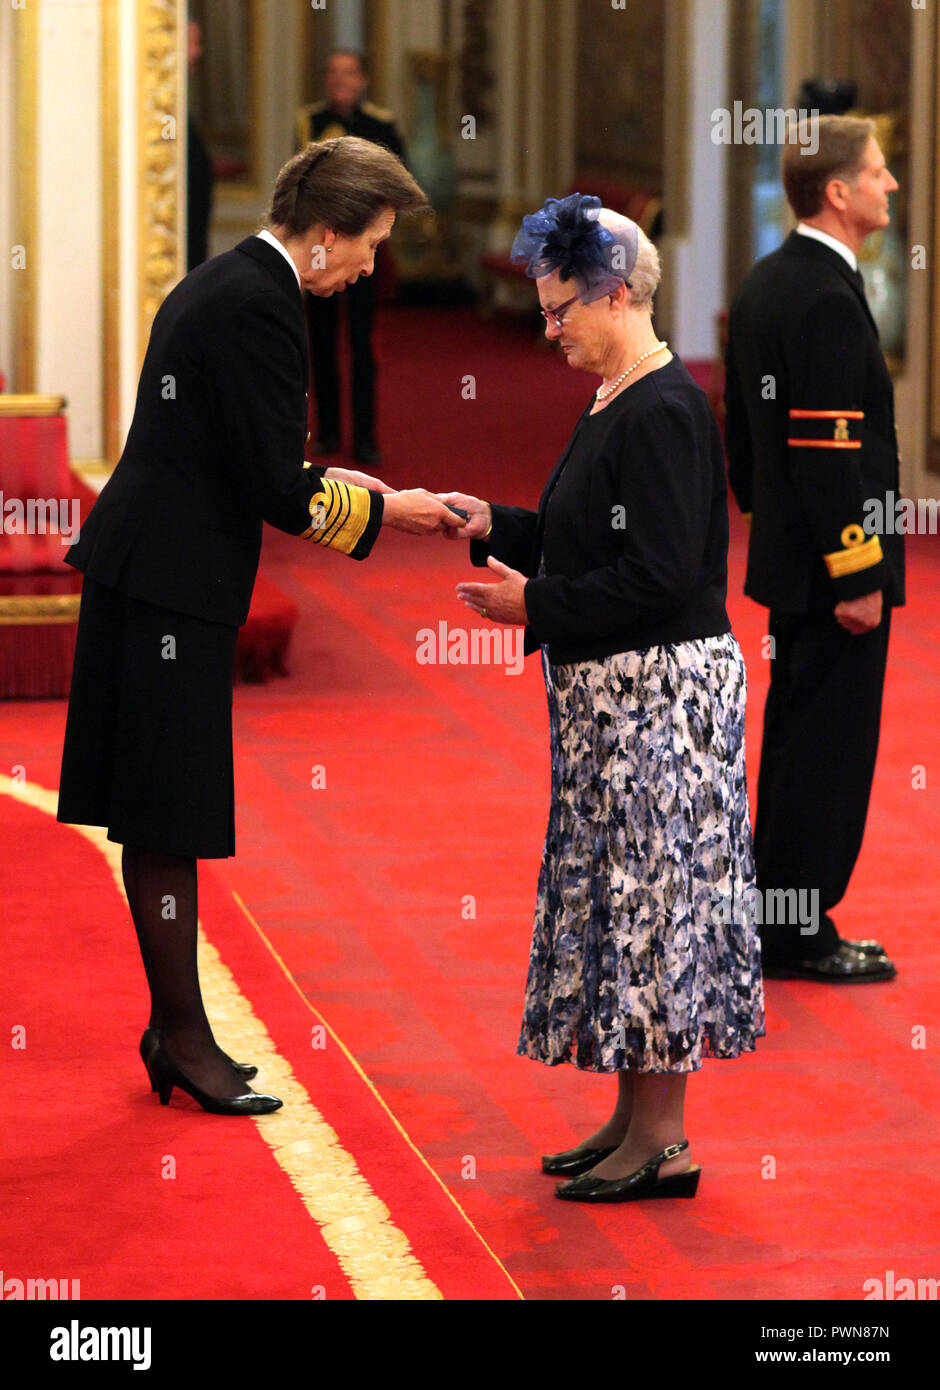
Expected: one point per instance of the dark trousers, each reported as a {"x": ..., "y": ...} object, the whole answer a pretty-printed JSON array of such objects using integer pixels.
[
  {"x": 821, "y": 726},
  {"x": 323, "y": 319}
]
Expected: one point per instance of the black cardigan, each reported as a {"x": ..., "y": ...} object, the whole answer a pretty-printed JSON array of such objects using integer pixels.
[{"x": 632, "y": 525}]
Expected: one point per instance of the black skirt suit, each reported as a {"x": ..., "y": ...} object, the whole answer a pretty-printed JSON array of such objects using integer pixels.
[{"x": 170, "y": 552}]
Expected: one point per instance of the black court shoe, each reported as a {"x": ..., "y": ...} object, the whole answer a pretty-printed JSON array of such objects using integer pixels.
[
  {"x": 165, "y": 1074},
  {"x": 149, "y": 1041},
  {"x": 645, "y": 1182},
  {"x": 573, "y": 1162}
]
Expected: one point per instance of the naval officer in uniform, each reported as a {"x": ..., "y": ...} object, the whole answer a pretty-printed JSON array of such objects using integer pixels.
[
  {"x": 345, "y": 112},
  {"x": 810, "y": 437},
  {"x": 170, "y": 552}
]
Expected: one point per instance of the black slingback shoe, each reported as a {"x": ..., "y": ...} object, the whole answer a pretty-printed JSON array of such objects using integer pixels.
[
  {"x": 149, "y": 1041},
  {"x": 645, "y": 1182},
  {"x": 164, "y": 1075},
  {"x": 573, "y": 1162}
]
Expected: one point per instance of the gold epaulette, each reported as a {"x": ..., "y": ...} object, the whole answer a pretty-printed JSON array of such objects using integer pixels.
[
  {"x": 857, "y": 553},
  {"x": 378, "y": 113},
  {"x": 303, "y": 121},
  {"x": 340, "y": 513}
]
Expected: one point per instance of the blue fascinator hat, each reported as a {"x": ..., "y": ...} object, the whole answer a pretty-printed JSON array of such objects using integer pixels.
[{"x": 566, "y": 235}]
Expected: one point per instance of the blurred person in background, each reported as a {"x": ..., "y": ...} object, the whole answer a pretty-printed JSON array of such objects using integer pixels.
[{"x": 346, "y": 112}]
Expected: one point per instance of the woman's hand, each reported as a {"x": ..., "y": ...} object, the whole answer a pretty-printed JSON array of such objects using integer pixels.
[
  {"x": 503, "y": 602},
  {"x": 355, "y": 479},
  {"x": 480, "y": 519}
]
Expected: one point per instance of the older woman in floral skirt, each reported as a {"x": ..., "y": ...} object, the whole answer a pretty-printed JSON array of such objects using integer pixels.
[{"x": 644, "y": 956}]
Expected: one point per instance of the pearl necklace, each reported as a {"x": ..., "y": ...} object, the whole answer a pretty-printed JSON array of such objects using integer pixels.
[{"x": 603, "y": 392}]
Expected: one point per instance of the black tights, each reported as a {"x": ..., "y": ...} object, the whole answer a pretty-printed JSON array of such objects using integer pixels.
[{"x": 161, "y": 891}]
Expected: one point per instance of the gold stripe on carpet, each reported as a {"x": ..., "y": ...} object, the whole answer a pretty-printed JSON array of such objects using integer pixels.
[
  {"x": 373, "y": 1253},
  {"x": 364, "y": 1078}
]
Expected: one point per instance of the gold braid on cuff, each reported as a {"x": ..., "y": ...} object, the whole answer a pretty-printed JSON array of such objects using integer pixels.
[{"x": 340, "y": 513}]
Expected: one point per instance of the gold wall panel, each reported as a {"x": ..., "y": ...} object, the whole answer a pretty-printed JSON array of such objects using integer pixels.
[
  {"x": 161, "y": 143},
  {"x": 27, "y": 123}
]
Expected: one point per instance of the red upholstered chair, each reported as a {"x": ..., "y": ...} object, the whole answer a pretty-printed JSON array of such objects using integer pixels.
[{"x": 39, "y": 592}]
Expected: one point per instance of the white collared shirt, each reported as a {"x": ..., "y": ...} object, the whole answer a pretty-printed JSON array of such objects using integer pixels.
[
  {"x": 265, "y": 235},
  {"x": 831, "y": 241}
]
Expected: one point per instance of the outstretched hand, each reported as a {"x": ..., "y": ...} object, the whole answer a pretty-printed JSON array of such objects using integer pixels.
[
  {"x": 356, "y": 479},
  {"x": 504, "y": 602},
  {"x": 418, "y": 512}
]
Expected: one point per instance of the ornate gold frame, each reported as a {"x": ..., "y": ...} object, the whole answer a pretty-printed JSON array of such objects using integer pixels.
[
  {"x": 26, "y": 179},
  {"x": 110, "y": 231},
  {"x": 161, "y": 212},
  {"x": 932, "y": 451}
]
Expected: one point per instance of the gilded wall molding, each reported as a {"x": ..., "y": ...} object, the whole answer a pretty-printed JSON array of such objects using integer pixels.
[
  {"x": 27, "y": 124},
  {"x": 110, "y": 230},
  {"x": 932, "y": 460},
  {"x": 161, "y": 137}
]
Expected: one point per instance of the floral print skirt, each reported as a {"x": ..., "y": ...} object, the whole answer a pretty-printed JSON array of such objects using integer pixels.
[{"x": 644, "y": 957}]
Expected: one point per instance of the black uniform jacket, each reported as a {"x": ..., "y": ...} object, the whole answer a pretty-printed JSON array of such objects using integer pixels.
[
  {"x": 629, "y": 546},
  {"x": 809, "y": 432},
  {"x": 319, "y": 121},
  {"x": 216, "y": 447}
]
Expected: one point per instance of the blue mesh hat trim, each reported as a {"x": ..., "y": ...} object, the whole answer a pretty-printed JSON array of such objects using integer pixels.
[{"x": 565, "y": 235}]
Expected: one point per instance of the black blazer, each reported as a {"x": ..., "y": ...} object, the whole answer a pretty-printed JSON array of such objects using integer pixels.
[
  {"x": 629, "y": 545},
  {"x": 809, "y": 431},
  {"x": 216, "y": 447}
]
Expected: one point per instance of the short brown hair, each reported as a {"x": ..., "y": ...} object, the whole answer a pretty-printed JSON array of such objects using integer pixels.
[
  {"x": 842, "y": 142},
  {"x": 360, "y": 58},
  {"x": 345, "y": 183}
]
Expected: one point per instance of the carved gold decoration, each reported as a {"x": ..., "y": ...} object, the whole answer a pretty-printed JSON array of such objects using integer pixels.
[
  {"x": 110, "y": 229},
  {"x": 161, "y": 137},
  {"x": 27, "y": 123},
  {"x": 933, "y": 434}
]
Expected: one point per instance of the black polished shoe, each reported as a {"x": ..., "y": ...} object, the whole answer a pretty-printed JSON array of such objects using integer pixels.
[
  {"x": 846, "y": 965},
  {"x": 645, "y": 1182},
  {"x": 869, "y": 948},
  {"x": 149, "y": 1041},
  {"x": 368, "y": 453},
  {"x": 165, "y": 1074},
  {"x": 573, "y": 1161},
  {"x": 326, "y": 444}
]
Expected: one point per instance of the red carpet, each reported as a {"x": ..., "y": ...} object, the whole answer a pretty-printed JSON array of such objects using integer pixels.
[
  {"x": 399, "y": 897},
  {"x": 138, "y": 1201}
]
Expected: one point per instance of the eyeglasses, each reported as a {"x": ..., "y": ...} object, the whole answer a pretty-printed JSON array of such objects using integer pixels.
[{"x": 554, "y": 315}]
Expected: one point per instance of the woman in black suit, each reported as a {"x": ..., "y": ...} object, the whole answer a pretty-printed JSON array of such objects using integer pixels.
[
  {"x": 645, "y": 957},
  {"x": 170, "y": 552}
]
